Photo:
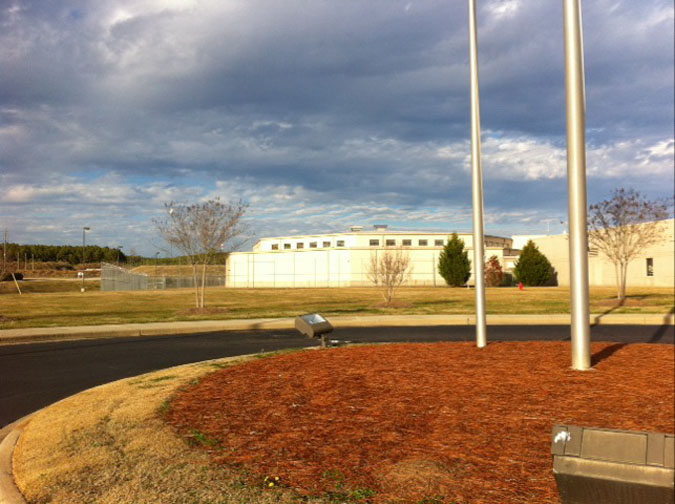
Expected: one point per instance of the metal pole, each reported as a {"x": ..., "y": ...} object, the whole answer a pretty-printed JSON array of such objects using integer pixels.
[
  {"x": 4, "y": 252},
  {"x": 576, "y": 181},
  {"x": 477, "y": 183},
  {"x": 84, "y": 230}
]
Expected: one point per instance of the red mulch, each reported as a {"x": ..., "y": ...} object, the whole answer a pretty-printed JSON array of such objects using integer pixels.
[{"x": 415, "y": 421}]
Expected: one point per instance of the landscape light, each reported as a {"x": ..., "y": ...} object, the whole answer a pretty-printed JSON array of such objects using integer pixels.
[{"x": 313, "y": 325}]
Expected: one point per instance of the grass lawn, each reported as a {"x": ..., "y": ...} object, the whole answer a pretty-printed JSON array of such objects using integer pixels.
[
  {"x": 45, "y": 285},
  {"x": 72, "y": 308}
]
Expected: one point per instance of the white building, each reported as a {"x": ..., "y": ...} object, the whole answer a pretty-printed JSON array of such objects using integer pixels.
[
  {"x": 654, "y": 267},
  {"x": 342, "y": 259}
]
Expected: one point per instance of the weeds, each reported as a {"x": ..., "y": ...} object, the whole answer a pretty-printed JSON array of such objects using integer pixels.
[{"x": 199, "y": 438}]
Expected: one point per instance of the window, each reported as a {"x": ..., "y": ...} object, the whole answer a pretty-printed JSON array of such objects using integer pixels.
[
  {"x": 275, "y": 246},
  {"x": 299, "y": 245},
  {"x": 326, "y": 244},
  {"x": 650, "y": 266},
  {"x": 438, "y": 243},
  {"x": 312, "y": 244},
  {"x": 407, "y": 243},
  {"x": 374, "y": 243},
  {"x": 287, "y": 246},
  {"x": 391, "y": 243},
  {"x": 422, "y": 243},
  {"x": 340, "y": 243}
]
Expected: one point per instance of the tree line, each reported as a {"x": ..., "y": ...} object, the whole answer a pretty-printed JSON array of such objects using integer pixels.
[{"x": 70, "y": 254}]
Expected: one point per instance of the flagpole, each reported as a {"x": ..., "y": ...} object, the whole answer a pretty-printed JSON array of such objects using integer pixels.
[
  {"x": 477, "y": 184},
  {"x": 575, "y": 94}
]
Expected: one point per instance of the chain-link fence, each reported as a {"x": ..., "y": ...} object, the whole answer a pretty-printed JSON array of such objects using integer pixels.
[{"x": 115, "y": 278}]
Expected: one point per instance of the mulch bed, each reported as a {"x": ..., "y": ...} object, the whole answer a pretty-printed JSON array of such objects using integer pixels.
[{"x": 443, "y": 421}]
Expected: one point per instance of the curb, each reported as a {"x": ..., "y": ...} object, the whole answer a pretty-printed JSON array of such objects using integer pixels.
[
  {"x": 9, "y": 336},
  {"x": 9, "y": 435}
]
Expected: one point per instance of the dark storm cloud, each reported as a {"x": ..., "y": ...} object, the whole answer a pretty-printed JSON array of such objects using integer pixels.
[{"x": 342, "y": 103}]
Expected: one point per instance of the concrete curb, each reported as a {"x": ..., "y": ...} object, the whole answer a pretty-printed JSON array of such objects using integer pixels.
[
  {"x": 9, "y": 336},
  {"x": 9, "y": 435}
]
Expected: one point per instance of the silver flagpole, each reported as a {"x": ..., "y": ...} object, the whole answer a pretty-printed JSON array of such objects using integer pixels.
[
  {"x": 477, "y": 183},
  {"x": 576, "y": 182}
]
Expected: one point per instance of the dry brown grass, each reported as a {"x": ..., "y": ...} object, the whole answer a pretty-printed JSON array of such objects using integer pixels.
[
  {"x": 68, "y": 308},
  {"x": 109, "y": 445}
]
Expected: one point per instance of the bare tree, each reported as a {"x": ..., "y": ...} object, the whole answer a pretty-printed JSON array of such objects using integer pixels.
[
  {"x": 389, "y": 270},
  {"x": 200, "y": 231},
  {"x": 623, "y": 226}
]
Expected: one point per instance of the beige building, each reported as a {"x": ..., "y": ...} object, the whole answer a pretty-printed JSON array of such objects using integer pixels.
[
  {"x": 342, "y": 259},
  {"x": 653, "y": 268}
]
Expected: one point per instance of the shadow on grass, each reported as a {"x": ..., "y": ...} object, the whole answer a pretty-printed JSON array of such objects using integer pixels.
[{"x": 597, "y": 318}]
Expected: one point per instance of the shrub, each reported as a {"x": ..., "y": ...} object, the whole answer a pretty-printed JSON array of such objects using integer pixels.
[
  {"x": 453, "y": 263},
  {"x": 494, "y": 276},
  {"x": 533, "y": 268}
]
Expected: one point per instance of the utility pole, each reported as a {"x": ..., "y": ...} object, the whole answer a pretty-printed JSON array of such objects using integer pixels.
[
  {"x": 575, "y": 93},
  {"x": 477, "y": 183}
]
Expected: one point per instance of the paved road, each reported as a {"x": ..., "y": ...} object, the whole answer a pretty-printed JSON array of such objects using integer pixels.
[{"x": 35, "y": 375}]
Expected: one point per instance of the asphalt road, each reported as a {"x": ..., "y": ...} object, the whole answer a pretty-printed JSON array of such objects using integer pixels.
[{"x": 35, "y": 375}]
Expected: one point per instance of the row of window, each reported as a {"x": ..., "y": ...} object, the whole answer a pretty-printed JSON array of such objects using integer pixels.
[
  {"x": 300, "y": 245},
  {"x": 406, "y": 243},
  {"x": 372, "y": 243}
]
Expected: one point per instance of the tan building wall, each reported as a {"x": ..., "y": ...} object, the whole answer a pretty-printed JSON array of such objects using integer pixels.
[
  {"x": 601, "y": 270},
  {"x": 342, "y": 259}
]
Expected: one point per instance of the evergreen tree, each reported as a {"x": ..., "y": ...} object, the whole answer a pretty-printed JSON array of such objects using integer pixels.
[
  {"x": 532, "y": 268},
  {"x": 453, "y": 263}
]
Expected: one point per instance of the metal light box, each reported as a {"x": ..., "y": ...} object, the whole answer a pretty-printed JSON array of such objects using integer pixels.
[{"x": 594, "y": 466}]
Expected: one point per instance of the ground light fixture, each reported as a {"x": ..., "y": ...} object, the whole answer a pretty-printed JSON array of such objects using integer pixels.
[
  {"x": 594, "y": 465},
  {"x": 314, "y": 325}
]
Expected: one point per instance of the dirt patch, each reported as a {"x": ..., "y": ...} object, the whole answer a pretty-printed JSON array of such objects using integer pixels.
[
  {"x": 408, "y": 479},
  {"x": 404, "y": 423}
]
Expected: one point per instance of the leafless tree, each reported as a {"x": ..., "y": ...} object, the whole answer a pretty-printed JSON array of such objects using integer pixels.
[
  {"x": 623, "y": 226},
  {"x": 200, "y": 231},
  {"x": 389, "y": 269}
]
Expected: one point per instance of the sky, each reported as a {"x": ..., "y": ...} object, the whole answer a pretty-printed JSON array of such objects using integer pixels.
[{"x": 320, "y": 114}]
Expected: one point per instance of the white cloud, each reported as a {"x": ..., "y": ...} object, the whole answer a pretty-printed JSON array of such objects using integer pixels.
[{"x": 501, "y": 8}]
